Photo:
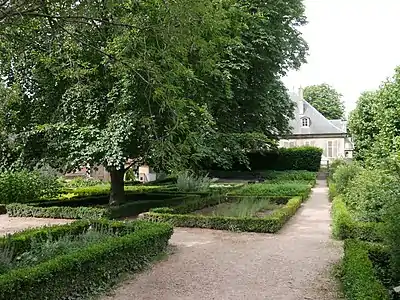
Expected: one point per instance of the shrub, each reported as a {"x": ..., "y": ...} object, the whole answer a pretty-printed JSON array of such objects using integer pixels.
[
  {"x": 344, "y": 175},
  {"x": 298, "y": 158},
  {"x": 88, "y": 270},
  {"x": 269, "y": 224},
  {"x": 392, "y": 234},
  {"x": 345, "y": 227},
  {"x": 359, "y": 281},
  {"x": 371, "y": 194},
  {"x": 335, "y": 164},
  {"x": 132, "y": 208},
  {"x": 273, "y": 189},
  {"x": 290, "y": 175},
  {"x": 24, "y": 186},
  {"x": 188, "y": 182},
  {"x": 79, "y": 182}
]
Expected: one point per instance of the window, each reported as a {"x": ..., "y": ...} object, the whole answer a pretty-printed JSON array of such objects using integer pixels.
[
  {"x": 309, "y": 143},
  {"x": 305, "y": 122},
  {"x": 332, "y": 149},
  {"x": 292, "y": 144}
]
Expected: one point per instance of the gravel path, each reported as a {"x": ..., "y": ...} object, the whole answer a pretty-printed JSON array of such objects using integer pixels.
[
  {"x": 210, "y": 264},
  {"x": 11, "y": 225}
]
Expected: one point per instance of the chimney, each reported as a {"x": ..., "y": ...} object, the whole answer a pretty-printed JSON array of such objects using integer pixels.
[{"x": 300, "y": 103}]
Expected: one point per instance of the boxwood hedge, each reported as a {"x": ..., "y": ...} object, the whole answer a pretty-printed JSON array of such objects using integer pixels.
[
  {"x": 359, "y": 279},
  {"x": 345, "y": 227},
  {"x": 88, "y": 270},
  {"x": 181, "y": 216},
  {"x": 130, "y": 208}
]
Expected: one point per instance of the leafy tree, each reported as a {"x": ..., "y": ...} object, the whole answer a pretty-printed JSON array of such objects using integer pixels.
[
  {"x": 103, "y": 81},
  {"x": 326, "y": 100},
  {"x": 362, "y": 124}
]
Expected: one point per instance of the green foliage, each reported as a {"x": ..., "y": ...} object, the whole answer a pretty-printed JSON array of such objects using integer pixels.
[
  {"x": 87, "y": 271},
  {"x": 344, "y": 176},
  {"x": 282, "y": 159},
  {"x": 72, "y": 210},
  {"x": 79, "y": 182},
  {"x": 359, "y": 280},
  {"x": 87, "y": 90},
  {"x": 189, "y": 182},
  {"x": 269, "y": 224},
  {"x": 335, "y": 164},
  {"x": 24, "y": 186},
  {"x": 289, "y": 175},
  {"x": 392, "y": 238},
  {"x": 344, "y": 226},
  {"x": 273, "y": 189},
  {"x": 326, "y": 100},
  {"x": 372, "y": 194},
  {"x": 245, "y": 207},
  {"x": 362, "y": 124}
]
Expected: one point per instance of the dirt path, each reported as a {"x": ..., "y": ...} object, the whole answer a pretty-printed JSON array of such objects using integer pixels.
[
  {"x": 11, "y": 225},
  {"x": 210, "y": 264}
]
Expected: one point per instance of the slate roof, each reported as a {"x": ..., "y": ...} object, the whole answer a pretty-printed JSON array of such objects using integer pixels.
[{"x": 318, "y": 123}]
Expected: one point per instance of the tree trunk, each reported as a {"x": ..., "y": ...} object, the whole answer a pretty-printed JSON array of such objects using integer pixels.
[{"x": 117, "y": 195}]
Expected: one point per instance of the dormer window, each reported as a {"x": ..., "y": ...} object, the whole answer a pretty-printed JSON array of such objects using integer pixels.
[{"x": 305, "y": 122}]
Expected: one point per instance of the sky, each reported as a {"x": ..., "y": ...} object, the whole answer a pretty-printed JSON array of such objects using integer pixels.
[{"x": 354, "y": 46}]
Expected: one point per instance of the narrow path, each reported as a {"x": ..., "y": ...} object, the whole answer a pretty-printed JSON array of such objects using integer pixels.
[
  {"x": 14, "y": 224},
  {"x": 210, "y": 264}
]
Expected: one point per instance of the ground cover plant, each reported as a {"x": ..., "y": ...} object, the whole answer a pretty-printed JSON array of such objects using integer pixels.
[{"x": 77, "y": 260}]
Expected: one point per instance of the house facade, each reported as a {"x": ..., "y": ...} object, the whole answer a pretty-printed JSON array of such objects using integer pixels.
[{"x": 311, "y": 128}]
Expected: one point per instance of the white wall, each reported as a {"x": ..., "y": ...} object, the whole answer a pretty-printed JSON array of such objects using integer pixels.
[{"x": 336, "y": 151}]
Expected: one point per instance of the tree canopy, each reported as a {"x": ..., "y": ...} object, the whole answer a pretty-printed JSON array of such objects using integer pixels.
[
  {"x": 103, "y": 81},
  {"x": 326, "y": 100},
  {"x": 374, "y": 123}
]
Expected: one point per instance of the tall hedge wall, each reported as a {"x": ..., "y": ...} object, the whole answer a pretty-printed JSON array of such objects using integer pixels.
[{"x": 298, "y": 158}]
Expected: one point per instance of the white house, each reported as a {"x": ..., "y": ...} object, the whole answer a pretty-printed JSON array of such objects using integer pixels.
[{"x": 311, "y": 128}]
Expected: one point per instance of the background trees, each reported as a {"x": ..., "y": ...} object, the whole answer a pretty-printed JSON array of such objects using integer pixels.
[
  {"x": 171, "y": 82},
  {"x": 326, "y": 100}
]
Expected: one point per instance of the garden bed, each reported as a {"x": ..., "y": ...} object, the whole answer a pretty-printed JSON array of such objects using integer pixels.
[
  {"x": 187, "y": 215},
  {"x": 76, "y": 260},
  {"x": 95, "y": 208}
]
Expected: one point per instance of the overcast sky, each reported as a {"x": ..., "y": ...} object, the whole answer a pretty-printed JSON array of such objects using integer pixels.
[{"x": 354, "y": 45}]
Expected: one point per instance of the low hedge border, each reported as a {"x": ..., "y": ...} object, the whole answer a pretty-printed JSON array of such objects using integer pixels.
[
  {"x": 89, "y": 270},
  {"x": 344, "y": 227},
  {"x": 359, "y": 280},
  {"x": 113, "y": 212},
  {"x": 181, "y": 218}
]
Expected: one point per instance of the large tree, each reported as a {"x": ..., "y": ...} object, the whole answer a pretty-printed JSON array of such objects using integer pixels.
[
  {"x": 104, "y": 81},
  {"x": 363, "y": 124},
  {"x": 326, "y": 100}
]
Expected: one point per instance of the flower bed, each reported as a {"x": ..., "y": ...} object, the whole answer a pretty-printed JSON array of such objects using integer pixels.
[{"x": 87, "y": 270}]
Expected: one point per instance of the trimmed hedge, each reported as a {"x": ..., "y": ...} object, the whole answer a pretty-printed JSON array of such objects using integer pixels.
[
  {"x": 359, "y": 280},
  {"x": 112, "y": 212},
  {"x": 298, "y": 158},
  {"x": 81, "y": 273},
  {"x": 179, "y": 217},
  {"x": 344, "y": 227},
  {"x": 273, "y": 189}
]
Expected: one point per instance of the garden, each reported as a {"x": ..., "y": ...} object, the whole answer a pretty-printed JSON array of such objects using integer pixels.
[
  {"x": 366, "y": 215},
  {"x": 88, "y": 256}
]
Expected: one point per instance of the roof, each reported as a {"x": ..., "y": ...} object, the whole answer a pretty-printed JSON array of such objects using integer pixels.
[{"x": 318, "y": 123}]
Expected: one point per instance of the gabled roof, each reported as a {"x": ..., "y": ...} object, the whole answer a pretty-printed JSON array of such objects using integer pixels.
[{"x": 318, "y": 123}]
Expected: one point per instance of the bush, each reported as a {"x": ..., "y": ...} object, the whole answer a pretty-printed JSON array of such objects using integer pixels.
[
  {"x": 359, "y": 281},
  {"x": 298, "y": 158},
  {"x": 188, "y": 182},
  {"x": 79, "y": 182},
  {"x": 336, "y": 164},
  {"x": 345, "y": 227},
  {"x": 273, "y": 189},
  {"x": 392, "y": 234},
  {"x": 344, "y": 176},
  {"x": 290, "y": 175},
  {"x": 371, "y": 194},
  {"x": 86, "y": 271},
  {"x": 24, "y": 186},
  {"x": 74, "y": 211},
  {"x": 179, "y": 217}
]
